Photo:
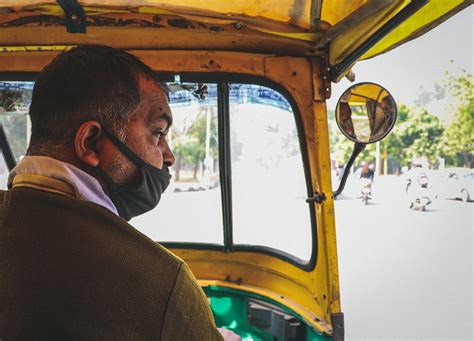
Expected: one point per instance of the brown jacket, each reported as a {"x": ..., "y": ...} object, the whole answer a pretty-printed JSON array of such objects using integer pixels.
[{"x": 72, "y": 270}]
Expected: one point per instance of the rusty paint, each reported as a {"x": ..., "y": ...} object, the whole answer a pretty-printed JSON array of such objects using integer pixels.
[
  {"x": 211, "y": 64},
  {"x": 144, "y": 39},
  {"x": 297, "y": 12},
  {"x": 216, "y": 29},
  {"x": 239, "y": 36},
  {"x": 229, "y": 279},
  {"x": 48, "y": 20},
  {"x": 36, "y": 20},
  {"x": 321, "y": 80},
  {"x": 180, "y": 23}
]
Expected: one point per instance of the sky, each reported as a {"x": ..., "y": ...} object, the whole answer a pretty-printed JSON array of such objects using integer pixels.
[{"x": 417, "y": 65}]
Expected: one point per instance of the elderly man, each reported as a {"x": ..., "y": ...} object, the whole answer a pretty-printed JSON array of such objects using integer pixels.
[{"x": 71, "y": 267}]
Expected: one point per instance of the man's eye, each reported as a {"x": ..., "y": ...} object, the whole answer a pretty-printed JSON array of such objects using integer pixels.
[{"x": 159, "y": 133}]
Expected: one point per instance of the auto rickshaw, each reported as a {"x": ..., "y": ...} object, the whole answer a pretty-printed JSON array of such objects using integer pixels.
[{"x": 248, "y": 84}]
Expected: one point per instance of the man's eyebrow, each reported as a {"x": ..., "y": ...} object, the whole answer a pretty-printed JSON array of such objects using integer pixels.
[
  {"x": 167, "y": 118},
  {"x": 153, "y": 105}
]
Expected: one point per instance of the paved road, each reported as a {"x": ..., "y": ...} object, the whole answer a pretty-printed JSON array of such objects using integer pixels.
[{"x": 405, "y": 274}]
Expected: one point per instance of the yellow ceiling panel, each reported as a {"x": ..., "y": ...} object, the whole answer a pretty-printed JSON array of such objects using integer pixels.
[
  {"x": 334, "y": 11},
  {"x": 428, "y": 17},
  {"x": 351, "y": 22}
]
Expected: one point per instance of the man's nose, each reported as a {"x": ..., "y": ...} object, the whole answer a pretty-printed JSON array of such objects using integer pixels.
[{"x": 168, "y": 156}]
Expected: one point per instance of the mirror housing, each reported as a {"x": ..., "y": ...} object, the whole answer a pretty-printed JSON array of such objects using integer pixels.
[{"x": 366, "y": 113}]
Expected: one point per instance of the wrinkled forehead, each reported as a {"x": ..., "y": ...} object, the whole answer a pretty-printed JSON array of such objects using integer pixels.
[
  {"x": 153, "y": 102},
  {"x": 149, "y": 85}
]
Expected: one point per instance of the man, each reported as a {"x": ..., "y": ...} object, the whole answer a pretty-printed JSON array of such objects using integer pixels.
[
  {"x": 345, "y": 115},
  {"x": 382, "y": 116},
  {"x": 71, "y": 267}
]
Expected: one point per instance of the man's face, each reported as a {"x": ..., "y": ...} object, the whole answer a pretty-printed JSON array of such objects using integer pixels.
[
  {"x": 387, "y": 107},
  {"x": 146, "y": 134},
  {"x": 345, "y": 118}
]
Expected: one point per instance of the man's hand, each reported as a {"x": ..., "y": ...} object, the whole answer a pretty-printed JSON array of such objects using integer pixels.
[{"x": 229, "y": 335}]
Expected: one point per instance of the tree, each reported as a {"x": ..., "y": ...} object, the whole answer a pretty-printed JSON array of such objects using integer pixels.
[
  {"x": 190, "y": 146},
  {"x": 420, "y": 135},
  {"x": 458, "y": 141},
  {"x": 395, "y": 146}
]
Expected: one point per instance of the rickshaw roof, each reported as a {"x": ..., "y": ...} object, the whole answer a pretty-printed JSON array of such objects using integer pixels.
[
  {"x": 298, "y": 27},
  {"x": 365, "y": 92}
]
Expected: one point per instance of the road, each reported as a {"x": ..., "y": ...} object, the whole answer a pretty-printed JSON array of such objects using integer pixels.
[{"x": 405, "y": 274}]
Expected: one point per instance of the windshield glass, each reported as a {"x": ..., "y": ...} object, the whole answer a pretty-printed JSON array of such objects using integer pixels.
[
  {"x": 195, "y": 188},
  {"x": 265, "y": 177},
  {"x": 268, "y": 183},
  {"x": 15, "y": 99}
]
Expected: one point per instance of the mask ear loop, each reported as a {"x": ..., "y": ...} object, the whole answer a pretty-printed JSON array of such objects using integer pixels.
[
  {"x": 112, "y": 186},
  {"x": 130, "y": 154},
  {"x": 154, "y": 182},
  {"x": 123, "y": 148}
]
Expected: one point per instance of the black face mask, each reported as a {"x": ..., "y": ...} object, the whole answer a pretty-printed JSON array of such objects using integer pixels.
[{"x": 133, "y": 201}]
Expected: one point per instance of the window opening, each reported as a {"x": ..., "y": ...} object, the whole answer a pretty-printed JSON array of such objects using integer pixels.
[
  {"x": 219, "y": 128},
  {"x": 268, "y": 179},
  {"x": 190, "y": 209},
  {"x": 15, "y": 99}
]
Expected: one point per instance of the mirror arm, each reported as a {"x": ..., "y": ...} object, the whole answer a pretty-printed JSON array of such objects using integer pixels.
[{"x": 358, "y": 148}]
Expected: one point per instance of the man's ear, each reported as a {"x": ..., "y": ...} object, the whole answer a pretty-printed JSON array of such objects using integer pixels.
[{"x": 86, "y": 143}]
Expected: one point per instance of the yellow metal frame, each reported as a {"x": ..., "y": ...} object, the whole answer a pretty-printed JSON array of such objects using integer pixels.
[{"x": 312, "y": 294}]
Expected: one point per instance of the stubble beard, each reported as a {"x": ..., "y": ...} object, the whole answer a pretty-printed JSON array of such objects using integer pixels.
[{"x": 123, "y": 171}]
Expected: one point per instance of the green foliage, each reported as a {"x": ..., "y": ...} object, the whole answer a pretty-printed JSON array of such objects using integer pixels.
[
  {"x": 416, "y": 134},
  {"x": 198, "y": 132},
  {"x": 190, "y": 150},
  {"x": 189, "y": 146},
  {"x": 419, "y": 133},
  {"x": 458, "y": 142}
]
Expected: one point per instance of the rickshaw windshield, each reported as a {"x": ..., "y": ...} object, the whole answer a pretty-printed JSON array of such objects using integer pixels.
[{"x": 239, "y": 175}]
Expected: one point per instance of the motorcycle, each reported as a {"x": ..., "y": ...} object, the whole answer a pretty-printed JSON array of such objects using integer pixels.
[
  {"x": 418, "y": 193},
  {"x": 366, "y": 190}
]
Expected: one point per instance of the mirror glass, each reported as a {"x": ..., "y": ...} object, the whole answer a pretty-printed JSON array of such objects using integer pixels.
[{"x": 366, "y": 113}]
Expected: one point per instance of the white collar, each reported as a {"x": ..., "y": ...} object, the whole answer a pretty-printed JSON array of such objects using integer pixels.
[{"x": 86, "y": 187}]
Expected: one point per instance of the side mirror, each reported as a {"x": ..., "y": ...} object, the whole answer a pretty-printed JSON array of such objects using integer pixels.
[{"x": 365, "y": 113}]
